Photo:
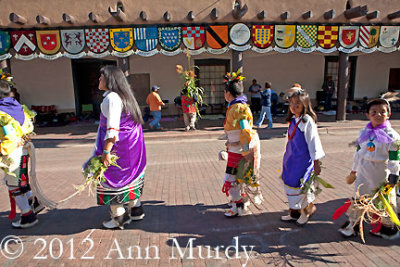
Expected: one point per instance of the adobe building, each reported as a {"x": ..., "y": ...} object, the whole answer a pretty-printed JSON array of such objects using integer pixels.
[{"x": 54, "y": 49}]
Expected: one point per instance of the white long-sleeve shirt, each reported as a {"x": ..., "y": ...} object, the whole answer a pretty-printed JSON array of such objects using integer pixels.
[
  {"x": 111, "y": 108},
  {"x": 310, "y": 130}
]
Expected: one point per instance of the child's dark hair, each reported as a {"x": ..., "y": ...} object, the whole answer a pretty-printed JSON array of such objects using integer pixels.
[
  {"x": 378, "y": 101},
  {"x": 268, "y": 85},
  {"x": 307, "y": 107},
  {"x": 235, "y": 87},
  {"x": 5, "y": 89}
]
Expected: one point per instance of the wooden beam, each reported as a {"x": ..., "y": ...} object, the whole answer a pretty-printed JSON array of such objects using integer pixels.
[
  {"x": 143, "y": 15},
  {"x": 69, "y": 19},
  {"x": 356, "y": 12},
  {"x": 190, "y": 16},
  {"x": 343, "y": 81},
  {"x": 262, "y": 15},
  {"x": 238, "y": 12},
  {"x": 17, "y": 18},
  {"x": 123, "y": 63},
  {"x": 214, "y": 13},
  {"x": 167, "y": 16},
  {"x": 394, "y": 15},
  {"x": 94, "y": 17},
  {"x": 285, "y": 15},
  {"x": 330, "y": 14},
  {"x": 117, "y": 13},
  {"x": 373, "y": 15},
  {"x": 42, "y": 20},
  {"x": 307, "y": 15}
]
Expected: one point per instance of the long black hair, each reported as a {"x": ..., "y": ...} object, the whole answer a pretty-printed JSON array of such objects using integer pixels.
[{"x": 117, "y": 82}]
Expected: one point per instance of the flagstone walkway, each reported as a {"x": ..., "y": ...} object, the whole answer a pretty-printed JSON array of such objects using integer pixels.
[{"x": 184, "y": 208}]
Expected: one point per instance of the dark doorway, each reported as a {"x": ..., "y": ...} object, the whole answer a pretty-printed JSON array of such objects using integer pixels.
[
  {"x": 394, "y": 80},
  {"x": 86, "y": 80},
  {"x": 332, "y": 69}
]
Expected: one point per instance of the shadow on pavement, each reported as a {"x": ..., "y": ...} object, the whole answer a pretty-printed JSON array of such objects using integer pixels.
[{"x": 209, "y": 227}]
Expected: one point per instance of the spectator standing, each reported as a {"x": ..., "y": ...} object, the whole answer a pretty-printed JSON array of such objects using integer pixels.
[
  {"x": 329, "y": 88},
  {"x": 155, "y": 103},
  {"x": 266, "y": 106},
  {"x": 255, "y": 90}
]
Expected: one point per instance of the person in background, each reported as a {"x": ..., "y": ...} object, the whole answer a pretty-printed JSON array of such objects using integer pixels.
[
  {"x": 266, "y": 106},
  {"x": 255, "y": 90},
  {"x": 329, "y": 88},
  {"x": 189, "y": 110},
  {"x": 155, "y": 103},
  {"x": 274, "y": 102}
]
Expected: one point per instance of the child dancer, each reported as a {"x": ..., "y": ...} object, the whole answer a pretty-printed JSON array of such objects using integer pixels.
[
  {"x": 303, "y": 152},
  {"x": 242, "y": 141},
  {"x": 16, "y": 125},
  {"x": 375, "y": 161}
]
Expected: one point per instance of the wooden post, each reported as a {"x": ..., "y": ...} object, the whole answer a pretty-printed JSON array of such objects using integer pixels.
[
  {"x": 343, "y": 81},
  {"x": 237, "y": 61},
  {"x": 123, "y": 63}
]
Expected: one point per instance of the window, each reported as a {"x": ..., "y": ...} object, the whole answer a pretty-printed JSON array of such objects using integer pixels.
[{"x": 211, "y": 77}]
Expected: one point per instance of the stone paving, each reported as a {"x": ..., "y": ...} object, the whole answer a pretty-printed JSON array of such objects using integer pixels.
[{"x": 184, "y": 208}]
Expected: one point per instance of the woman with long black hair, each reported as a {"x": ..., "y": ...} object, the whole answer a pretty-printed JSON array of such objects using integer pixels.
[{"x": 120, "y": 132}]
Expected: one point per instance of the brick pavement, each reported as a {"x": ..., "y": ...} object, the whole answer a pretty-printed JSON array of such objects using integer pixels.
[{"x": 183, "y": 200}]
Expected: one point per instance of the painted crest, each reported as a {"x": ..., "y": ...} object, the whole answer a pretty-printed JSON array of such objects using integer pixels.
[
  {"x": 348, "y": 36},
  {"x": 73, "y": 41},
  {"x": 285, "y": 35},
  {"x": 193, "y": 37},
  {"x": 5, "y": 42},
  {"x": 389, "y": 36},
  {"x": 145, "y": 38},
  {"x": 328, "y": 36},
  {"x": 24, "y": 42},
  {"x": 369, "y": 36},
  {"x": 121, "y": 39},
  {"x": 170, "y": 37},
  {"x": 97, "y": 39},
  {"x": 48, "y": 41},
  {"x": 240, "y": 34},
  {"x": 306, "y": 35},
  {"x": 217, "y": 36},
  {"x": 262, "y": 35}
]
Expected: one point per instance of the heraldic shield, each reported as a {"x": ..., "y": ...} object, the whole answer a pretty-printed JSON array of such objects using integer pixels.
[
  {"x": 217, "y": 36},
  {"x": 389, "y": 36},
  {"x": 262, "y": 35},
  {"x": 328, "y": 36},
  {"x": 193, "y": 37},
  {"x": 24, "y": 42},
  {"x": 121, "y": 39},
  {"x": 369, "y": 36},
  {"x": 306, "y": 35},
  {"x": 73, "y": 41},
  {"x": 97, "y": 39},
  {"x": 240, "y": 34},
  {"x": 145, "y": 38},
  {"x": 48, "y": 41},
  {"x": 285, "y": 35},
  {"x": 170, "y": 37},
  {"x": 5, "y": 42},
  {"x": 348, "y": 36}
]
